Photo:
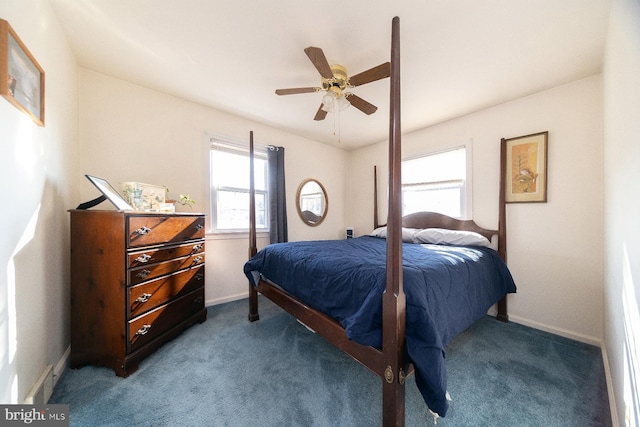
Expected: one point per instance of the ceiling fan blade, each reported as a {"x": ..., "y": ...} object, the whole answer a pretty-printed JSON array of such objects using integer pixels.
[
  {"x": 320, "y": 114},
  {"x": 371, "y": 75},
  {"x": 316, "y": 55},
  {"x": 361, "y": 104},
  {"x": 293, "y": 91}
]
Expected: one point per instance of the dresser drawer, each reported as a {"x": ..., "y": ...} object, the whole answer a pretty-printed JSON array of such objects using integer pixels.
[
  {"x": 157, "y": 229},
  {"x": 150, "y": 295},
  {"x": 145, "y": 328},
  {"x": 148, "y": 272},
  {"x": 152, "y": 256}
]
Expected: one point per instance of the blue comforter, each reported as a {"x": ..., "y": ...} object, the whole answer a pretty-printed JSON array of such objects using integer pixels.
[{"x": 447, "y": 288}]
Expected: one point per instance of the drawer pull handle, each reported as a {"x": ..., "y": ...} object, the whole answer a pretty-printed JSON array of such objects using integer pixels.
[
  {"x": 199, "y": 277},
  {"x": 143, "y": 330},
  {"x": 198, "y": 300},
  {"x": 199, "y": 226},
  {"x": 143, "y": 298},
  {"x": 197, "y": 260},
  {"x": 143, "y": 258},
  {"x": 143, "y": 273},
  {"x": 143, "y": 230},
  {"x": 196, "y": 248}
]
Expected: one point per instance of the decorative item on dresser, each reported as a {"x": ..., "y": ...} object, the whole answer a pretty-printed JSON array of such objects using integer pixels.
[{"x": 137, "y": 281}]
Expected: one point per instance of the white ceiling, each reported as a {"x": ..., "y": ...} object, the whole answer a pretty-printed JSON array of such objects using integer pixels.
[{"x": 457, "y": 56}]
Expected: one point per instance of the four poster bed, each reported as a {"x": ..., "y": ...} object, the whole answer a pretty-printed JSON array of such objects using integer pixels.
[{"x": 393, "y": 299}]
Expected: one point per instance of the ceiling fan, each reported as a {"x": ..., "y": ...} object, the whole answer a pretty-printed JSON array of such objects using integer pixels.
[{"x": 335, "y": 81}]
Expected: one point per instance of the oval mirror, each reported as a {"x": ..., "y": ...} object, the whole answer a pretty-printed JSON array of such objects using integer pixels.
[{"x": 312, "y": 202}]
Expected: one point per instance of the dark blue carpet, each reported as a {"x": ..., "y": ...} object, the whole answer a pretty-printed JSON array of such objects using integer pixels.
[{"x": 274, "y": 372}]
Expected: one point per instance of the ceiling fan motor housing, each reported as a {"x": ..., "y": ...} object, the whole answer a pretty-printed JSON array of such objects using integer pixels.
[{"x": 339, "y": 82}]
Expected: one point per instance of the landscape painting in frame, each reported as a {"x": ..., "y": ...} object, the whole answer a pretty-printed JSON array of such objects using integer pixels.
[
  {"x": 21, "y": 77},
  {"x": 525, "y": 168}
]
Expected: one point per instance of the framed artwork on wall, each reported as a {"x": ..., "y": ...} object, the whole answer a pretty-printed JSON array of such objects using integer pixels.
[
  {"x": 21, "y": 77},
  {"x": 524, "y": 168}
]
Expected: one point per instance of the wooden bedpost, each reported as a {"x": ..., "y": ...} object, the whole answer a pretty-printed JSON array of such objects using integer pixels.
[
  {"x": 502, "y": 225},
  {"x": 253, "y": 249},
  {"x": 376, "y": 223},
  {"x": 393, "y": 299}
]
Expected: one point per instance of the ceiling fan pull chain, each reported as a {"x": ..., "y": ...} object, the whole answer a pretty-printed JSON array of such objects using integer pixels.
[{"x": 336, "y": 123}]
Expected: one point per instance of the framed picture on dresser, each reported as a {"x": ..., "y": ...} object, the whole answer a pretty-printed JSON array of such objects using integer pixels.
[{"x": 110, "y": 193}]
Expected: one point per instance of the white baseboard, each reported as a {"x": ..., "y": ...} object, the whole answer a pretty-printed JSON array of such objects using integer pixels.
[
  {"x": 42, "y": 389},
  {"x": 60, "y": 367},
  {"x": 217, "y": 301},
  {"x": 610, "y": 391},
  {"x": 557, "y": 331}
]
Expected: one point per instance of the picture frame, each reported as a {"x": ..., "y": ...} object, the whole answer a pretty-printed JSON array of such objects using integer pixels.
[
  {"x": 524, "y": 168},
  {"x": 109, "y": 193},
  {"x": 21, "y": 77}
]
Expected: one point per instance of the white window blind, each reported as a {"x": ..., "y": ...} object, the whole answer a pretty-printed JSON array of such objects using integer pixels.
[{"x": 436, "y": 182}]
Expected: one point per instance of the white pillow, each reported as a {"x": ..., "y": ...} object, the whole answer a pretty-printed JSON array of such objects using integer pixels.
[
  {"x": 494, "y": 242},
  {"x": 407, "y": 233},
  {"x": 441, "y": 236}
]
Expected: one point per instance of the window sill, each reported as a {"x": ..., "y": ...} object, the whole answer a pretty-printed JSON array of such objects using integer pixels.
[{"x": 231, "y": 235}]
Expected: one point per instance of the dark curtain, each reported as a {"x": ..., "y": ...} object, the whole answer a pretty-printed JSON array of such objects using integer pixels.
[{"x": 277, "y": 196}]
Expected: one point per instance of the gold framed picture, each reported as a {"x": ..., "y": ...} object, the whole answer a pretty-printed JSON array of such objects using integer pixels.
[
  {"x": 524, "y": 168},
  {"x": 21, "y": 77}
]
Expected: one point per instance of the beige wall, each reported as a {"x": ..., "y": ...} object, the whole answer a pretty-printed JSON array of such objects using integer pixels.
[
  {"x": 554, "y": 248},
  {"x": 37, "y": 171},
  {"x": 130, "y": 133},
  {"x": 622, "y": 207}
]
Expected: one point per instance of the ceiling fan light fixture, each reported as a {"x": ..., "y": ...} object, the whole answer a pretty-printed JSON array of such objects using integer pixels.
[
  {"x": 333, "y": 101},
  {"x": 328, "y": 101},
  {"x": 343, "y": 103}
]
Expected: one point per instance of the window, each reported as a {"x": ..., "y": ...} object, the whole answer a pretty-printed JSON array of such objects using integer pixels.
[
  {"x": 229, "y": 162},
  {"x": 437, "y": 183}
]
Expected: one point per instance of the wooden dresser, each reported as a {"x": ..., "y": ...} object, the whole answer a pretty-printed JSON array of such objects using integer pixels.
[{"x": 137, "y": 281}]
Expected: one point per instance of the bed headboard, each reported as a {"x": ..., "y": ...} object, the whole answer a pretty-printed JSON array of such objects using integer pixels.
[{"x": 437, "y": 220}]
